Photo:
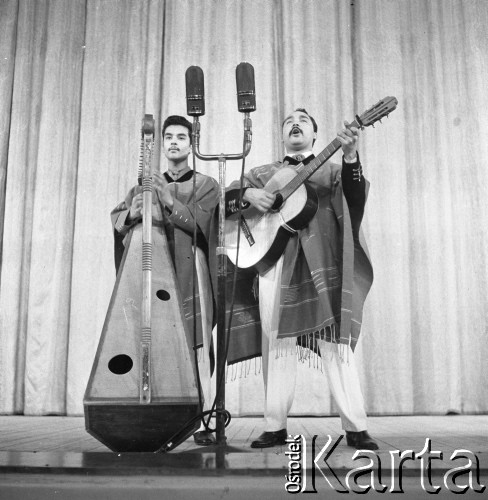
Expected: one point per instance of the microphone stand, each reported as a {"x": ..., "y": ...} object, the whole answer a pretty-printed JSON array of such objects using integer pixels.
[{"x": 221, "y": 263}]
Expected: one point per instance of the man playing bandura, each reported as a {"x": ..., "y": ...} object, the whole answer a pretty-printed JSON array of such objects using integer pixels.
[{"x": 174, "y": 190}]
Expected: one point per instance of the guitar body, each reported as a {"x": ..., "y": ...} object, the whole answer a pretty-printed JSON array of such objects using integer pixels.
[{"x": 263, "y": 237}]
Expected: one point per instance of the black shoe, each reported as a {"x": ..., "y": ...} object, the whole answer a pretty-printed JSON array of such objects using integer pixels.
[
  {"x": 268, "y": 439},
  {"x": 204, "y": 438},
  {"x": 361, "y": 440}
]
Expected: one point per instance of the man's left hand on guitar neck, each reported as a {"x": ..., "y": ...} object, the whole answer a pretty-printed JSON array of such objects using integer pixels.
[{"x": 348, "y": 137}]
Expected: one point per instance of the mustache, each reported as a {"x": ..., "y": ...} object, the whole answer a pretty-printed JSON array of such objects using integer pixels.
[{"x": 295, "y": 128}]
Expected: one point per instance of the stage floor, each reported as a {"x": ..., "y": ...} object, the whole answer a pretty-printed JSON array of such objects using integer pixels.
[{"x": 42, "y": 455}]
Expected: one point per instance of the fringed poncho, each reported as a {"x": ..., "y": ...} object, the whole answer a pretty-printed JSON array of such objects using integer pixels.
[{"x": 326, "y": 271}]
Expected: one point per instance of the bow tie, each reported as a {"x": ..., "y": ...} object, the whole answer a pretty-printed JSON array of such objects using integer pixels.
[{"x": 297, "y": 159}]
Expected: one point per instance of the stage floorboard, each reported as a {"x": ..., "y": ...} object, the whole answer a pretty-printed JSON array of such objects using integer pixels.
[{"x": 48, "y": 452}]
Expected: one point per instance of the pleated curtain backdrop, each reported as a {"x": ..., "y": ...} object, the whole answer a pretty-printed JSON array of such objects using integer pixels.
[{"x": 76, "y": 79}]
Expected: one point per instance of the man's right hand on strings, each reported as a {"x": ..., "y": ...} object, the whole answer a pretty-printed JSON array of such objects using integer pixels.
[
  {"x": 136, "y": 207},
  {"x": 259, "y": 199}
]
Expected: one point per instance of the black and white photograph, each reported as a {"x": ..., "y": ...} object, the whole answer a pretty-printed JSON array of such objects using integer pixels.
[{"x": 243, "y": 249}]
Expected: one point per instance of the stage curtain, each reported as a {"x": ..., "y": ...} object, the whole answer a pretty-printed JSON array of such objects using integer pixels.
[
  {"x": 77, "y": 78},
  {"x": 43, "y": 59}
]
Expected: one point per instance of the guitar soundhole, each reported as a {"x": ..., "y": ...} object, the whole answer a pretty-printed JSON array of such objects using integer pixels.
[
  {"x": 120, "y": 364},
  {"x": 163, "y": 295},
  {"x": 278, "y": 202}
]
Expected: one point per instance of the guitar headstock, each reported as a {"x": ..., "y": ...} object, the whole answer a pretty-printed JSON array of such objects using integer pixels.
[{"x": 381, "y": 109}]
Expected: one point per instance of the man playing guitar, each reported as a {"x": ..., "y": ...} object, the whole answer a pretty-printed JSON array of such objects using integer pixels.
[{"x": 312, "y": 288}]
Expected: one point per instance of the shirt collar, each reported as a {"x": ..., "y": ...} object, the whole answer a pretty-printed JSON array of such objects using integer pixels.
[
  {"x": 306, "y": 154},
  {"x": 185, "y": 177}
]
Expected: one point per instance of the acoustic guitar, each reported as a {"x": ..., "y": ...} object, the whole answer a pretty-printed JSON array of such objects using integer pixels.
[{"x": 263, "y": 236}]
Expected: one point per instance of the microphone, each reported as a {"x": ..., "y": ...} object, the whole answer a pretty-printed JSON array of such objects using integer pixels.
[
  {"x": 195, "y": 91},
  {"x": 246, "y": 94}
]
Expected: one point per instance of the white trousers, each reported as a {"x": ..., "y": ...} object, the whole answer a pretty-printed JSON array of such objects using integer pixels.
[
  {"x": 205, "y": 292},
  {"x": 280, "y": 369}
]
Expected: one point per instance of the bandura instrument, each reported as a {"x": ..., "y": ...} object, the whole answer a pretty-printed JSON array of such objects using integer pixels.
[{"x": 142, "y": 387}]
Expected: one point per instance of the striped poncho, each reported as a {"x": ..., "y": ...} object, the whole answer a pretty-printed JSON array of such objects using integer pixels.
[
  {"x": 326, "y": 272},
  {"x": 179, "y": 232}
]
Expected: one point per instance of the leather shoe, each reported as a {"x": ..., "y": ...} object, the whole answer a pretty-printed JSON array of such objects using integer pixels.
[
  {"x": 361, "y": 440},
  {"x": 204, "y": 438},
  {"x": 268, "y": 439}
]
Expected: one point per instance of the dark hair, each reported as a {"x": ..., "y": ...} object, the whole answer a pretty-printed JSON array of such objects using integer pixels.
[
  {"x": 177, "y": 120},
  {"x": 314, "y": 123}
]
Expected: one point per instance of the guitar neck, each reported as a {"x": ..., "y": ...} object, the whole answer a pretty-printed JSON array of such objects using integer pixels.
[{"x": 309, "y": 169}]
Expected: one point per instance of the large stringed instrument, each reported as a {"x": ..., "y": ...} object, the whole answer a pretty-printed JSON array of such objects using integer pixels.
[
  {"x": 263, "y": 236},
  {"x": 142, "y": 387}
]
